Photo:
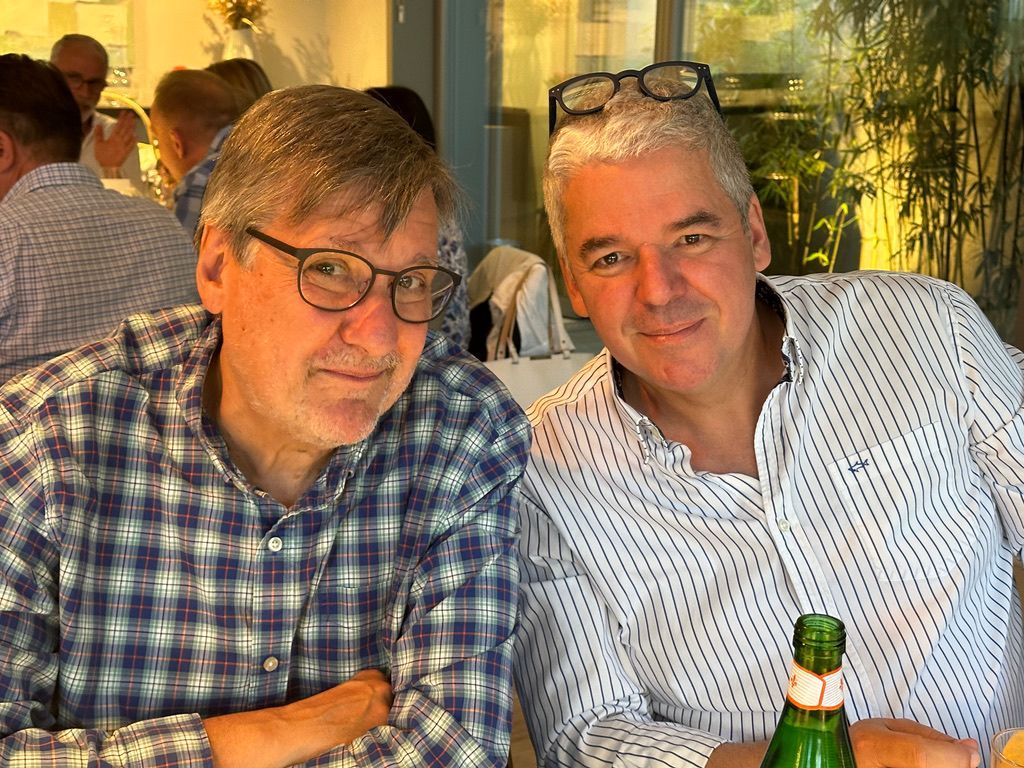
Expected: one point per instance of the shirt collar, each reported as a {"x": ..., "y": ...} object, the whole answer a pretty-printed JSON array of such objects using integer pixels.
[{"x": 52, "y": 175}]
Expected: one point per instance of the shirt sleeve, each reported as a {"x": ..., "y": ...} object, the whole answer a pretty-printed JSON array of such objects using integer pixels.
[
  {"x": 452, "y": 663},
  {"x": 994, "y": 373},
  {"x": 582, "y": 706},
  {"x": 29, "y": 660}
]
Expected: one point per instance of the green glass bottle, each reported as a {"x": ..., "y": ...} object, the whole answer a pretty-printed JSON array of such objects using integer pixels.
[{"x": 813, "y": 731}]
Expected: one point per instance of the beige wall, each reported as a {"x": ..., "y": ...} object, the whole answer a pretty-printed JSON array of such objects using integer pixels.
[{"x": 344, "y": 42}]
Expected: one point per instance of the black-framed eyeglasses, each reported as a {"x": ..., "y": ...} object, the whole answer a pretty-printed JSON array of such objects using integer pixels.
[
  {"x": 337, "y": 280},
  {"x": 664, "y": 81},
  {"x": 75, "y": 80}
]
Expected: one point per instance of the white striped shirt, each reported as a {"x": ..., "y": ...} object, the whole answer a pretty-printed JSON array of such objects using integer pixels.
[{"x": 658, "y": 603}]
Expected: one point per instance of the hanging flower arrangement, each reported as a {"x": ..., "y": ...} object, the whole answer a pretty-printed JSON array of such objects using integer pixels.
[{"x": 239, "y": 13}]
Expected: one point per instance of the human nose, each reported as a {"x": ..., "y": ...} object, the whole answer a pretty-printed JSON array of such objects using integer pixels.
[
  {"x": 371, "y": 323},
  {"x": 659, "y": 279}
]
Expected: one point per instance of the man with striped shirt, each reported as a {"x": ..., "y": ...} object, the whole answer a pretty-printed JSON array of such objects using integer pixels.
[{"x": 749, "y": 449}]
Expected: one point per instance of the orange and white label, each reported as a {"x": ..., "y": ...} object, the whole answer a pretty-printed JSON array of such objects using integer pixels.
[{"x": 808, "y": 690}]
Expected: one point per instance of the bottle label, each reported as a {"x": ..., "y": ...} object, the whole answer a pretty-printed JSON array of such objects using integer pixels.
[{"x": 808, "y": 690}]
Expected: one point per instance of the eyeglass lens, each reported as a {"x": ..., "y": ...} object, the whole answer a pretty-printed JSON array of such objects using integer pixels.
[
  {"x": 669, "y": 81},
  {"x": 338, "y": 281},
  {"x": 75, "y": 80}
]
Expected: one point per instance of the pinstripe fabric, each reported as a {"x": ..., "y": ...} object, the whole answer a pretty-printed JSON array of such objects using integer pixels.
[
  {"x": 145, "y": 583},
  {"x": 191, "y": 189},
  {"x": 658, "y": 603},
  {"x": 76, "y": 259}
]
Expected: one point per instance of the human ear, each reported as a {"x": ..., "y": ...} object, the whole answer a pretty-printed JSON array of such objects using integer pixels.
[
  {"x": 759, "y": 242},
  {"x": 7, "y": 152},
  {"x": 214, "y": 253}
]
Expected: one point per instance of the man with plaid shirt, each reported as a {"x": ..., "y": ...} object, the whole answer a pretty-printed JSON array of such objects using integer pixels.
[
  {"x": 191, "y": 116},
  {"x": 278, "y": 528}
]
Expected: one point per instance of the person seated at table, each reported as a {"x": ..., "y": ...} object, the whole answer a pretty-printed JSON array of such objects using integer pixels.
[
  {"x": 279, "y": 527},
  {"x": 747, "y": 449},
  {"x": 75, "y": 258},
  {"x": 109, "y": 148},
  {"x": 192, "y": 114}
]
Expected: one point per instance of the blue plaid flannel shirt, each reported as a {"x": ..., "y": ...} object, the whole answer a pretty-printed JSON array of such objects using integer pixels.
[
  {"x": 191, "y": 188},
  {"x": 145, "y": 584}
]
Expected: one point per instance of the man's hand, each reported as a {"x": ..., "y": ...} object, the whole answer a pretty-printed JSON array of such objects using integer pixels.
[
  {"x": 113, "y": 150},
  {"x": 877, "y": 743},
  {"x": 884, "y": 743},
  {"x": 294, "y": 733}
]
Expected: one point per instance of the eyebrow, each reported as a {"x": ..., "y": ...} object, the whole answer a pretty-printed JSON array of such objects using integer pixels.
[
  {"x": 700, "y": 218},
  {"x": 425, "y": 260}
]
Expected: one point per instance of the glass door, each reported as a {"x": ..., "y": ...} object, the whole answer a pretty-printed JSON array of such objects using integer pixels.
[{"x": 536, "y": 44}]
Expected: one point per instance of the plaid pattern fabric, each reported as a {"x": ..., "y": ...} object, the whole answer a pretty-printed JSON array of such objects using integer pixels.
[
  {"x": 144, "y": 583},
  {"x": 451, "y": 255},
  {"x": 188, "y": 193},
  {"x": 76, "y": 259}
]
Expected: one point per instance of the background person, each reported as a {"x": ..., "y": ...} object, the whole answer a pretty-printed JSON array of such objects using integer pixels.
[
  {"x": 191, "y": 116},
  {"x": 450, "y": 251},
  {"x": 748, "y": 449},
  {"x": 75, "y": 258},
  {"x": 280, "y": 529},
  {"x": 109, "y": 148}
]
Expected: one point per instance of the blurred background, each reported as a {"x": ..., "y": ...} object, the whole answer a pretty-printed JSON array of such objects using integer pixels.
[{"x": 882, "y": 134}]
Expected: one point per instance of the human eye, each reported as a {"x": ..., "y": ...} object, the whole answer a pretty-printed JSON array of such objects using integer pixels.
[
  {"x": 608, "y": 262},
  {"x": 331, "y": 271},
  {"x": 413, "y": 284},
  {"x": 328, "y": 267}
]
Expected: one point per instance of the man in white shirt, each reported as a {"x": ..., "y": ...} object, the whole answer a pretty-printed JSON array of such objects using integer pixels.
[
  {"x": 749, "y": 449},
  {"x": 108, "y": 145}
]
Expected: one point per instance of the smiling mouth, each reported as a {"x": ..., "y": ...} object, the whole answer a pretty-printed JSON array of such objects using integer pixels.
[
  {"x": 673, "y": 330},
  {"x": 355, "y": 376}
]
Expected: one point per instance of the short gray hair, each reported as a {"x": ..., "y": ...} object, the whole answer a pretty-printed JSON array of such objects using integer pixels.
[
  {"x": 80, "y": 40},
  {"x": 297, "y": 148},
  {"x": 632, "y": 125}
]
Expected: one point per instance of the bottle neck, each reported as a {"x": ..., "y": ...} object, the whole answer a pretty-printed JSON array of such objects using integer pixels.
[
  {"x": 814, "y": 691},
  {"x": 816, "y": 678}
]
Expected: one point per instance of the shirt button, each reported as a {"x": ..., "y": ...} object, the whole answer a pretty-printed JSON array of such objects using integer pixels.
[
  {"x": 275, "y": 544},
  {"x": 270, "y": 663},
  {"x": 784, "y": 525}
]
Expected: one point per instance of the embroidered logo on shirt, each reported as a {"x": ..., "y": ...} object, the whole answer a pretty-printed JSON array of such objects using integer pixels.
[{"x": 858, "y": 466}]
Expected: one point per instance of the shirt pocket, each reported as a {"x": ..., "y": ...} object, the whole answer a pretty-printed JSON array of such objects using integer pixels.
[{"x": 908, "y": 516}]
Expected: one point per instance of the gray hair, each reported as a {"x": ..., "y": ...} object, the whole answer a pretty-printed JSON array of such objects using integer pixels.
[
  {"x": 632, "y": 125},
  {"x": 298, "y": 148},
  {"x": 83, "y": 40}
]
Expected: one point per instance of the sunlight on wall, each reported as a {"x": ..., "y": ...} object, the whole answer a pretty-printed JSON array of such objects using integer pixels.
[{"x": 344, "y": 42}]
